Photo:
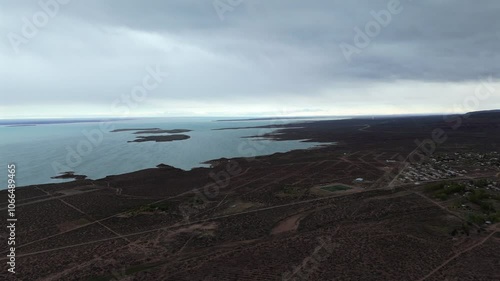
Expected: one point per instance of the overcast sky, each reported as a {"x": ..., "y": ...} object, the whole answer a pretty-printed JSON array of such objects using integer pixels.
[{"x": 247, "y": 57}]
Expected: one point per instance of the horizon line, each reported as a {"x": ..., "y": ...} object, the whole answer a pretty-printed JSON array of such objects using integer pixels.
[{"x": 111, "y": 118}]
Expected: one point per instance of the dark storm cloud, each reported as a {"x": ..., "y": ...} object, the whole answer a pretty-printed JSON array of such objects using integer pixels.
[{"x": 247, "y": 52}]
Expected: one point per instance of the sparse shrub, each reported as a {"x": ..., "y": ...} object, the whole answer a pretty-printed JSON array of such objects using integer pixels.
[
  {"x": 441, "y": 196},
  {"x": 494, "y": 218},
  {"x": 476, "y": 219},
  {"x": 487, "y": 207},
  {"x": 434, "y": 187},
  {"x": 443, "y": 190},
  {"x": 466, "y": 229},
  {"x": 482, "y": 183}
]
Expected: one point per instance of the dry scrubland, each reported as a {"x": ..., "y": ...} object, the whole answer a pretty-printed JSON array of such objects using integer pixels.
[{"x": 404, "y": 221}]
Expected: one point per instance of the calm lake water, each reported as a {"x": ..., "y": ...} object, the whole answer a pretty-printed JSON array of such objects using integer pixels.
[{"x": 42, "y": 151}]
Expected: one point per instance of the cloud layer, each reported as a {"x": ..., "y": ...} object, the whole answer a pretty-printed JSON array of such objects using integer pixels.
[{"x": 247, "y": 57}]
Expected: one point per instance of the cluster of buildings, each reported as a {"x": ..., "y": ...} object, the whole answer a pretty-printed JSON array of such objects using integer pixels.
[
  {"x": 451, "y": 165},
  {"x": 429, "y": 172},
  {"x": 489, "y": 159}
]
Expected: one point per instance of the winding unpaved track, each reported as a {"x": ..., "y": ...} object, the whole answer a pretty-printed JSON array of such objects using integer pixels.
[
  {"x": 364, "y": 128},
  {"x": 85, "y": 214},
  {"x": 174, "y": 226}
]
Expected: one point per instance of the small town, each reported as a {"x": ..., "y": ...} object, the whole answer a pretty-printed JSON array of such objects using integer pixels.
[{"x": 452, "y": 166}]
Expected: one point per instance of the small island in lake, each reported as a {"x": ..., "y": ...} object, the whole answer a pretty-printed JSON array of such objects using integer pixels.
[
  {"x": 161, "y": 138},
  {"x": 152, "y": 131},
  {"x": 70, "y": 175}
]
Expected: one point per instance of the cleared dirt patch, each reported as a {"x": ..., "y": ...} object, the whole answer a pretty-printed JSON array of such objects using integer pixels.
[{"x": 289, "y": 224}]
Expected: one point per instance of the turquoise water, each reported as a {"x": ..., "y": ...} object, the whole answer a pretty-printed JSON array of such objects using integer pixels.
[{"x": 42, "y": 151}]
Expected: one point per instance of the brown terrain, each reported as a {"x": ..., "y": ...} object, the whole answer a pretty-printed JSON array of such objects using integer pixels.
[{"x": 407, "y": 198}]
